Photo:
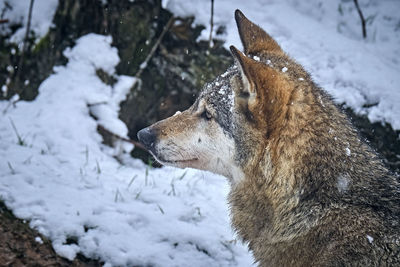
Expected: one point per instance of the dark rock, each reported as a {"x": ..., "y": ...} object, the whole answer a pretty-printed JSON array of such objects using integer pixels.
[{"x": 381, "y": 137}]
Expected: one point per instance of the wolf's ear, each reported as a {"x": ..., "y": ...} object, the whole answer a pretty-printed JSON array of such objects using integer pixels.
[
  {"x": 254, "y": 78},
  {"x": 254, "y": 39},
  {"x": 247, "y": 87}
]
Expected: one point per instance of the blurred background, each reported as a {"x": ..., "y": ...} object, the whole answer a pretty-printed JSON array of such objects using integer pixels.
[{"x": 79, "y": 79}]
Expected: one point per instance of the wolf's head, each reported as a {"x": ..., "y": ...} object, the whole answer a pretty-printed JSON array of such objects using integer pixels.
[{"x": 231, "y": 125}]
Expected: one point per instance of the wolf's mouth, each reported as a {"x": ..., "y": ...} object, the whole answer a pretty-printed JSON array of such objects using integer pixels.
[
  {"x": 162, "y": 160},
  {"x": 179, "y": 161},
  {"x": 165, "y": 161}
]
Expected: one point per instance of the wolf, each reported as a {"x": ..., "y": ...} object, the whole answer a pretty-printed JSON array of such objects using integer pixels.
[{"x": 305, "y": 189}]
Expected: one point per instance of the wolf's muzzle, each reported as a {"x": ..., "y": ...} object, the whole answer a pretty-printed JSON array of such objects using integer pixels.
[{"x": 147, "y": 137}]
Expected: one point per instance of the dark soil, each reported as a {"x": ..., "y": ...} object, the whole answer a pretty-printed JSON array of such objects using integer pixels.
[{"x": 19, "y": 248}]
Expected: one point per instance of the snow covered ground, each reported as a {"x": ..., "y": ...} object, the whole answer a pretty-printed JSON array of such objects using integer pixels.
[{"x": 56, "y": 174}]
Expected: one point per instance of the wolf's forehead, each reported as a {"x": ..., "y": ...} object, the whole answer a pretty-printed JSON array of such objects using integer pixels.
[
  {"x": 219, "y": 96},
  {"x": 219, "y": 93}
]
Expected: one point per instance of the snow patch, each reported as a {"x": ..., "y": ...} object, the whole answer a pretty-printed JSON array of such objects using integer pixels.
[
  {"x": 67, "y": 251},
  {"x": 39, "y": 240},
  {"x": 343, "y": 182},
  {"x": 143, "y": 65},
  {"x": 348, "y": 151}
]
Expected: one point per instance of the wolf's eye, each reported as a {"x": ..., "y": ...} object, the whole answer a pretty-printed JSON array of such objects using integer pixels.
[{"x": 206, "y": 115}]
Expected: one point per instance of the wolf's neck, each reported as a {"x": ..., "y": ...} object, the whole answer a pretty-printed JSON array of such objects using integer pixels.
[
  {"x": 258, "y": 200},
  {"x": 266, "y": 201}
]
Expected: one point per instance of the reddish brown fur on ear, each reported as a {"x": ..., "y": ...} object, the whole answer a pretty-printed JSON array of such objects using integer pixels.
[
  {"x": 253, "y": 72},
  {"x": 243, "y": 63},
  {"x": 268, "y": 91},
  {"x": 254, "y": 39},
  {"x": 240, "y": 59}
]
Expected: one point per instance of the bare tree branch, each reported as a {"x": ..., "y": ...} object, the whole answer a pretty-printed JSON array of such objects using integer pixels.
[
  {"x": 135, "y": 143},
  {"x": 364, "y": 30},
  {"x": 211, "y": 23},
  {"x": 155, "y": 46},
  {"x": 24, "y": 47},
  {"x": 3, "y": 21}
]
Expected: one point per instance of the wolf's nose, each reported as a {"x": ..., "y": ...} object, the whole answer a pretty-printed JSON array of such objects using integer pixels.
[{"x": 147, "y": 137}]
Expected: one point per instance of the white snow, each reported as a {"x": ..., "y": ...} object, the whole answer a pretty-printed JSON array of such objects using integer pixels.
[
  {"x": 370, "y": 239},
  {"x": 10, "y": 68},
  {"x": 343, "y": 182},
  {"x": 223, "y": 75},
  {"x": 362, "y": 74},
  {"x": 42, "y": 16},
  {"x": 348, "y": 151},
  {"x": 39, "y": 240},
  {"x": 69, "y": 186},
  {"x": 143, "y": 65}
]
